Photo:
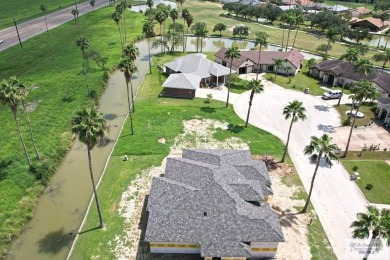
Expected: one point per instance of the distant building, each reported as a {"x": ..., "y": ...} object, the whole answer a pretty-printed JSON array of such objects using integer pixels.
[
  {"x": 338, "y": 8},
  {"x": 360, "y": 12},
  {"x": 249, "y": 61},
  {"x": 213, "y": 203},
  {"x": 187, "y": 73},
  {"x": 374, "y": 24},
  {"x": 338, "y": 72}
]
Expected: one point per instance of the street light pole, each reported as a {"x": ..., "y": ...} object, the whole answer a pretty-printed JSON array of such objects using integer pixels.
[{"x": 17, "y": 31}]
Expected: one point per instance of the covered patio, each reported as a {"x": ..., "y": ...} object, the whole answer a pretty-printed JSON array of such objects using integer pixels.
[{"x": 384, "y": 111}]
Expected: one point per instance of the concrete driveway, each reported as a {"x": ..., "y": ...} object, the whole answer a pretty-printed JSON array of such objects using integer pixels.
[{"x": 335, "y": 198}]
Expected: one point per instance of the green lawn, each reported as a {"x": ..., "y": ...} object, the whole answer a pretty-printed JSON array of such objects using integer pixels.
[
  {"x": 162, "y": 117},
  {"x": 365, "y": 109},
  {"x": 53, "y": 65},
  {"x": 375, "y": 173}
]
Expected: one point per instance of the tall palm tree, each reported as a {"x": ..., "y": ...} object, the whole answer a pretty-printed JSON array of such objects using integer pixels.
[
  {"x": 90, "y": 126},
  {"x": 261, "y": 40},
  {"x": 83, "y": 43},
  {"x": 174, "y": 14},
  {"x": 11, "y": 96},
  {"x": 290, "y": 19},
  {"x": 319, "y": 148},
  {"x": 375, "y": 223},
  {"x": 232, "y": 53},
  {"x": 254, "y": 86},
  {"x": 131, "y": 51},
  {"x": 23, "y": 92},
  {"x": 148, "y": 30},
  {"x": 363, "y": 90},
  {"x": 150, "y": 4},
  {"x": 382, "y": 57},
  {"x": 278, "y": 64},
  {"x": 383, "y": 17},
  {"x": 298, "y": 20},
  {"x": 283, "y": 19},
  {"x": 43, "y": 10},
  {"x": 128, "y": 67},
  {"x": 351, "y": 55},
  {"x": 296, "y": 111},
  {"x": 117, "y": 16},
  {"x": 75, "y": 13},
  {"x": 185, "y": 13},
  {"x": 161, "y": 17},
  {"x": 181, "y": 2},
  {"x": 189, "y": 21}
]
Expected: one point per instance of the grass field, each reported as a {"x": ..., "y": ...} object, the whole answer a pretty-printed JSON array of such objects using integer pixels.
[
  {"x": 53, "y": 65},
  {"x": 375, "y": 173}
]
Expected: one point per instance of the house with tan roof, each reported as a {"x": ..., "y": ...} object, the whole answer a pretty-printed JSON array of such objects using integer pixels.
[
  {"x": 250, "y": 62},
  {"x": 339, "y": 72},
  {"x": 374, "y": 24},
  {"x": 360, "y": 11},
  {"x": 213, "y": 203},
  {"x": 186, "y": 74}
]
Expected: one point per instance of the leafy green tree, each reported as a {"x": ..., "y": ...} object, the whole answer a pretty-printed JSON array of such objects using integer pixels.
[
  {"x": 260, "y": 40},
  {"x": 278, "y": 64},
  {"x": 363, "y": 91},
  {"x": 241, "y": 30},
  {"x": 359, "y": 34},
  {"x": 175, "y": 31},
  {"x": 90, "y": 127},
  {"x": 295, "y": 111},
  {"x": 11, "y": 96},
  {"x": 310, "y": 63},
  {"x": 374, "y": 223},
  {"x": 131, "y": 51},
  {"x": 323, "y": 48},
  {"x": 75, "y": 13},
  {"x": 83, "y": 43},
  {"x": 272, "y": 12},
  {"x": 148, "y": 30},
  {"x": 232, "y": 53},
  {"x": 319, "y": 148},
  {"x": 92, "y": 4},
  {"x": 382, "y": 57},
  {"x": 219, "y": 27},
  {"x": 23, "y": 93},
  {"x": 44, "y": 10},
  {"x": 254, "y": 86},
  {"x": 128, "y": 67}
]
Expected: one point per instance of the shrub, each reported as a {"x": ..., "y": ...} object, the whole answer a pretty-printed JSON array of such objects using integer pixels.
[
  {"x": 355, "y": 168},
  {"x": 369, "y": 186}
]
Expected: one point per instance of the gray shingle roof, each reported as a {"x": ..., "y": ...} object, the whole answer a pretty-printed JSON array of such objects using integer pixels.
[
  {"x": 202, "y": 198},
  {"x": 182, "y": 81}
]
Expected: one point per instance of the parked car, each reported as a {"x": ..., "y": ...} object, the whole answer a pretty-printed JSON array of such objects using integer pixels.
[
  {"x": 1, "y": 41},
  {"x": 332, "y": 94}
]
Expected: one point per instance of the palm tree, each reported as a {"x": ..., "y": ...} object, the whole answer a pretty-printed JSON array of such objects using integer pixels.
[
  {"x": 351, "y": 55},
  {"x": 254, "y": 86},
  {"x": 128, "y": 67},
  {"x": 150, "y": 4},
  {"x": 44, "y": 9},
  {"x": 90, "y": 126},
  {"x": 189, "y": 21},
  {"x": 23, "y": 92},
  {"x": 278, "y": 64},
  {"x": 11, "y": 96},
  {"x": 148, "y": 30},
  {"x": 298, "y": 20},
  {"x": 290, "y": 19},
  {"x": 382, "y": 57},
  {"x": 131, "y": 51},
  {"x": 364, "y": 66},
  {"x": 311, "y": 62},
  {"x": 185, "y": 13},
  {"x": 92, "y": 4},
  {"x": 231, "y": 53},
  {"x": 161, "y": 17},
  {"x": 331, "y": 35},
  {"x": 181, "y": 2},
  {"x": 363, "y": 90},
  {"x": 117, "y": 16},
  {"x": 174, "y": 14},
  {"x": 261, "y": 40},
  {"x": 296, "y": 111},
  {"x": 283, "y": 19},
  {"x": 375, "y": 223},
  {"x": 319, "y": 148},
  {"x": 83, "y": 43},
  {"x": 75, "y": 13}
]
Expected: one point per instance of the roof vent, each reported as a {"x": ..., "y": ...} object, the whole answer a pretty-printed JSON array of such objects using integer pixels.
[{"x": 205, "y": 213}]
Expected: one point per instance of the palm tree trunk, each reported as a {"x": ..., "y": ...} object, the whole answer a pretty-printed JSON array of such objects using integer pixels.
[
  {"x": 257, "y": 72},
  {"x": 296, "y": 34},
  {"x": 387, "y": 40},
  {"x": 86, "y": 76},
  {"x": 379, "y": 42},
  {"x": 197, "y": 44},
  {"x": 288, "y": 140},
  {"x": 350, "y": 133},
  {"x": 304, "y": 210},
  {"x": 131, "y": 122},
  {"x": 47, "y": 29},
  {"x": 201, "y": 44},
  {"x": 128, "y": 94},
  {"x": 101, "y": 224},
  {"x": 150, "y": 64},
  {"x": 384, "y": 64},
  {"x": 31, "y": 134},
  {"x": 338, "y": 103},
  {"x": 21, "y": 137},
  {"x": 283, "y": 36},
  {"x": 230, "y": 74},
  {"x": 327, "y": 48},
  {"x": 370, "y": 246},
  {"x": 288, "y": 36},
  {"x": 120, "y": 36},
  {"x": 132, "y": 95},
  {"x": 249, "y": 108}
]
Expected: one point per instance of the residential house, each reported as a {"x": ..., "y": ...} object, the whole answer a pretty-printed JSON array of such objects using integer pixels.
[
  {"x": 360, "y": 12},
  {"x": 213, "y": 203},
  {"x": 249, "y": 61},
  {"x": 338, "y": 8},
  {"x": 315, "y": 7},
  {"x": 384, "y": 110},
  {"x": 338, "y": 72},
  {"x": 188, "y": 73},
  {"x": 374, "y": 24}
]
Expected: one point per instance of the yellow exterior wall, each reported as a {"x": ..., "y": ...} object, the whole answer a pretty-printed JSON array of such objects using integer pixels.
[{"x": 174, "y": 248}]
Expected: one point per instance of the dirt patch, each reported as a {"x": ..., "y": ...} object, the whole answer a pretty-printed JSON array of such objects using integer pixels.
[
  {"x": 31, "y": 106},
  {"x": 199, "y": 134}
]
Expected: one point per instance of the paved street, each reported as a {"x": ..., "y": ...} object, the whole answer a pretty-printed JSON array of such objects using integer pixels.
[{"x": 37, "y": 26}]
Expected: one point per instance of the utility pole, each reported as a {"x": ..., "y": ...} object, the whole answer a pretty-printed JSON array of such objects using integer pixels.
[{"x": 17, "y": 31}]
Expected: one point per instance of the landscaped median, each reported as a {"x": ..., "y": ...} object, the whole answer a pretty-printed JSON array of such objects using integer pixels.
[
  {"x": 373, "y": 170},
  {"x": 158, "y": 123}
]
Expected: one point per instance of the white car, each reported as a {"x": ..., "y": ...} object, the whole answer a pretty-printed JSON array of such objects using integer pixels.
[
  {"x": 1, "y": 41},
  {"x": 331, "y": 94}
]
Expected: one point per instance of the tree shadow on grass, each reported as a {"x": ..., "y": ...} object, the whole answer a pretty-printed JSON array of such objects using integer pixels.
[
  {"x": 3, "y": 168},
  {"x": 235, "y": 128},
  {"x": 55, "y": 241},
  {"x": 208, "y": 109}
]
